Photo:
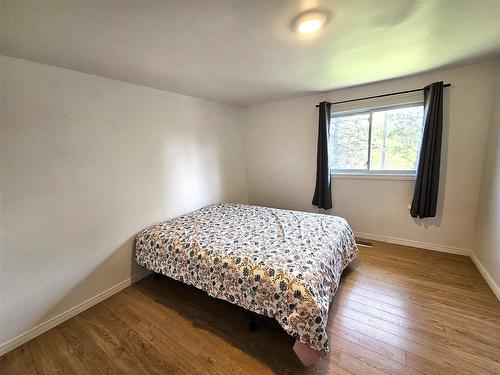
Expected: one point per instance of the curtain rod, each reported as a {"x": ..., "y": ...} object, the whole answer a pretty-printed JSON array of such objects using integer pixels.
[{"x": 381, "y": 96}]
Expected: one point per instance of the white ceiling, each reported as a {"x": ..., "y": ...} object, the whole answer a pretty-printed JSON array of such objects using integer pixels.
[{"x": 244, "y": 52}]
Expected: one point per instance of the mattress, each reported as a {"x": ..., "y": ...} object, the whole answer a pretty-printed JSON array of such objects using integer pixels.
[{"x": 279, "y": 263}]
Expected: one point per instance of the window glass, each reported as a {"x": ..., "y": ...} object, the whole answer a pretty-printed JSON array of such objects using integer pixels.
[
  {"x": 395, "y": 138},
  {"x": 376, "y": 140},
  {"x": 349, "y": 141}
]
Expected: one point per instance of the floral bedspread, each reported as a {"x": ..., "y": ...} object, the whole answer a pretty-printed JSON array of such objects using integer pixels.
[{"x": 279, "y": 263}]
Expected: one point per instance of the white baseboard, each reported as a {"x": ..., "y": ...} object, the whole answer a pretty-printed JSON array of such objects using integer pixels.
[
  {"x": 421, "y": 245},
  {"x": 52, "y": 322},
  {"x": 494, "y": 287}
]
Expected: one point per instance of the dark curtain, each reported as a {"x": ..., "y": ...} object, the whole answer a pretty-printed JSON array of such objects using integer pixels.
[
  {"x": 427, "y": 180},
  {"x": 323, "y": 191}
]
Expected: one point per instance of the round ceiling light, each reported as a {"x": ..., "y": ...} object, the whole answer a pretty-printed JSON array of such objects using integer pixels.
[{"x": 310, "y": 21}]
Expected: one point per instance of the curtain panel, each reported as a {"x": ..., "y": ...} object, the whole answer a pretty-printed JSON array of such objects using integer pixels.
[
  {"x": 323, "y": 191},
  {"x": 427, "y": 179}
]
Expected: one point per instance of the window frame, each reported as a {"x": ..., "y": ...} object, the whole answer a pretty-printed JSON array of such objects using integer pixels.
[{"x": 403, "y": 174}]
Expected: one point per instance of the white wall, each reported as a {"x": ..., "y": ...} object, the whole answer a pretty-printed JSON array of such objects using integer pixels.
[
  {"x": 281, "y": 142},
  {"x": 87, "y": 162},
  {"x": 487, "y": 244}
]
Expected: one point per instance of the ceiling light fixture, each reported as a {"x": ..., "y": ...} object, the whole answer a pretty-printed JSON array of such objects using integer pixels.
[{"x": 310, "y": 21}]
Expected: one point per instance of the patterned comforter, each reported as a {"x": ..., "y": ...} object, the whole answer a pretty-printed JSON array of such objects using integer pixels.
[{"x": 279, "y": 263}]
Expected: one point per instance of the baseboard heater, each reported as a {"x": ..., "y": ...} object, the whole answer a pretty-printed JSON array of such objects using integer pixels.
[{"x": 364, "y": 243}]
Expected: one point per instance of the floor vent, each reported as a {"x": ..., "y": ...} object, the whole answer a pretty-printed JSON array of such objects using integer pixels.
[{"x": 364, "y": 243}]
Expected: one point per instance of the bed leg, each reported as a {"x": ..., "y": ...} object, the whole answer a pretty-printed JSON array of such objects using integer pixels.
[{"x": 252, "y": 324}]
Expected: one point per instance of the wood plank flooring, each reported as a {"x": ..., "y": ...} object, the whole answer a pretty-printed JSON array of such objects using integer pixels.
[{"x": 399, "y": 310}]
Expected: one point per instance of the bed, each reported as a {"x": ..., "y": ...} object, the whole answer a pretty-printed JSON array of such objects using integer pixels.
[{"x": 278, "y": 263}]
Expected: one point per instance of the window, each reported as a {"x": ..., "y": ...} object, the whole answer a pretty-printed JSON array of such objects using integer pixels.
[{"x": 381, "y": 140}]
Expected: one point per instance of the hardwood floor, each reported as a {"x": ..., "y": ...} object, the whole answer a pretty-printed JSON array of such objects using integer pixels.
[{"x": 399, "y": 310}]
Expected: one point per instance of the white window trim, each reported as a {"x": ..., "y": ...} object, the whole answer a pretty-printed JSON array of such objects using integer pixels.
[
  {"x": 376, "y": 108},
  {"x": 368, "y": 174},
  {"x": 372, "y": 176}
]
